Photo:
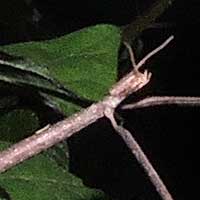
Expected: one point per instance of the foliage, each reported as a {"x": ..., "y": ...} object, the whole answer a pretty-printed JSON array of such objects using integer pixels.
[
  {"x": 78, "y": 66},
  {"x": 87, "y": 56},
  {"x": 42, "y": 178}
]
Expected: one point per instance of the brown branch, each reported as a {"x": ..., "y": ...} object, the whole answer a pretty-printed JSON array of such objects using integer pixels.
[
  {"x": 164, "y": 100},
  {"x": 51, "y": 135}
]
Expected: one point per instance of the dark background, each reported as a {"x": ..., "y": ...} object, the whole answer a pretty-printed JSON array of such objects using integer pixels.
[{"x": 168, "y": 134}]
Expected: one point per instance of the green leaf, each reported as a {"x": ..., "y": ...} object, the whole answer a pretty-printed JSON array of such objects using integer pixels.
[
  {"x": 41, "y": 178},
  {"x": 17, "y": 124},
  {"x": 63, "y": 106},
  {"x": 17, "y": 72},
  {"x": 84, "y": 62}
]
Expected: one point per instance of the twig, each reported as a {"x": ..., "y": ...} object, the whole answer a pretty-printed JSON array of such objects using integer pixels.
[
  {"x": 131, "y": 53},
  {"x": 140, "y": 156},
  {"x": 164, "y": 100},
  {"x": 46, "y": 138},
  {"x": 142, "y": 62},
  {"x": 153, "y": 52},
  {"x": 49, "y": 136}
]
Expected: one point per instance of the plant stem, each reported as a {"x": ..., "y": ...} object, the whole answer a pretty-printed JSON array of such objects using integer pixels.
[
  {"x": 164, "y": 100},
  {"x": 140, "y": 156}
]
